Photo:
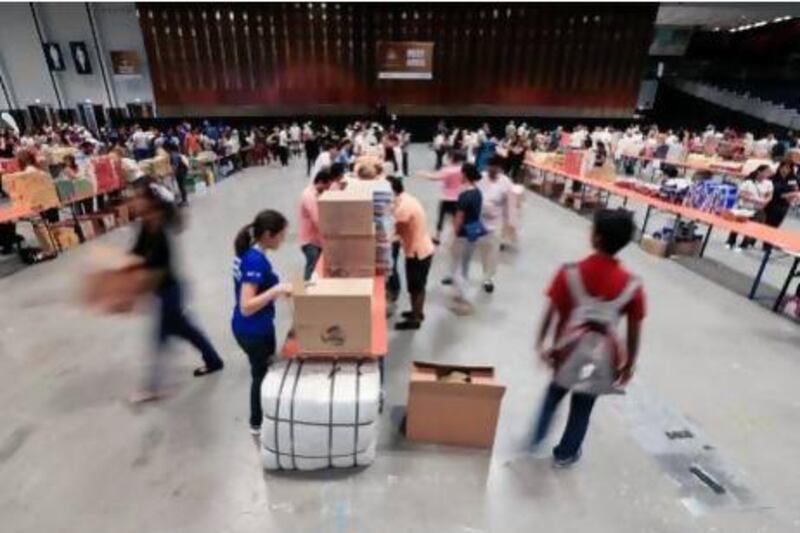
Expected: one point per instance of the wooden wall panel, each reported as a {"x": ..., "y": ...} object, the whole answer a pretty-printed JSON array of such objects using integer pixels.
[{"x": 315, "y": 54}]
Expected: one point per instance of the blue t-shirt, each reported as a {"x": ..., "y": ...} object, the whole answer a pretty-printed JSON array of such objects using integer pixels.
[{"x": 254, "y": 267}]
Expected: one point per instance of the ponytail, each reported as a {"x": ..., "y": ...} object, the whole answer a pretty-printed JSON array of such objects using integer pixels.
[
  {"x": 244, "y": 240},
  {"x": 268, "y": 221}
]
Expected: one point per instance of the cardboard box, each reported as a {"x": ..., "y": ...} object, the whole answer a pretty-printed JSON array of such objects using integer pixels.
[
  {"x": 66, "y": 237},
  {"x": 122, "y": 213},
  {"x": 349, "y": 256},
  {"x": 553, "y": 189},
  {"x": 334, "y": 316},
  {"x": 653, "y": 246},
  {"x": 87, "y": 228},
  {"x": 444, "y": 410},
  {"x": 348, "y": 212},
  {"x": 687, "y": 248},
  {"x": 659, "y": 248},
  {"x": 45, "y": 238}
]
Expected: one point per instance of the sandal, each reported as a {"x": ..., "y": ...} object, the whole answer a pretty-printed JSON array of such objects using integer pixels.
[{"x": 204, "y": 370}]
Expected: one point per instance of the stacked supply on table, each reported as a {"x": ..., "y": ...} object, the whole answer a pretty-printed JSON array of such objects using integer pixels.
[
  {"x": 320, "y": 414},
  {"x": 685, "y": 241},
  {"x": 380, "y": 191},
  {"x": 321, "y": 405},
  {"x": 348, "y": 232},
  {"x": 711, "y": 196},
  {"x": 34, "y": 189}
]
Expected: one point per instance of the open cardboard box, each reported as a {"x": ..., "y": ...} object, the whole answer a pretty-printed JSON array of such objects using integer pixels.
[
  {"x": 334, "y": 316},
  {"x": 445, "y": 411}
]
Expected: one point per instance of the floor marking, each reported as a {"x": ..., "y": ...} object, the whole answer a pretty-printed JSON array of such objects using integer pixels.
[{"x": 705, "y": 480}]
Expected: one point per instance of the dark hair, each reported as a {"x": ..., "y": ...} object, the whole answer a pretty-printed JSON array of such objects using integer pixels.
[
  {"x": 397, "y": 185},
  {"x": 267, "y": 221},
  {"x": 785, "y": 163},
  {"x": 323, "y": 176},
  {"x": 614, "y": 229},
  {"x": 147, "y": 187},
  {"x": 587, "y": 143},
  {"x": 497, "y": 161},
  {"x": 457, "y": 156},
  {"x": 754, "y": 174},
  {"x": 470, "y": 172},
  {"x": 337, "y": 171}
]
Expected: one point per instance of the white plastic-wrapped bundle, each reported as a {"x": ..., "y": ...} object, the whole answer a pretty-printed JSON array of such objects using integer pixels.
[{"x": 319, "y": 414}]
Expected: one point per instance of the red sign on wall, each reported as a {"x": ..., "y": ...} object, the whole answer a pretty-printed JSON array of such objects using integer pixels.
[{"x": 405, "y": 60}]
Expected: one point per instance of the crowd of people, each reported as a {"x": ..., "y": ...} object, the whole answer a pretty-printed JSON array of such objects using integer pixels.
[{"x": 477, "y": 171}]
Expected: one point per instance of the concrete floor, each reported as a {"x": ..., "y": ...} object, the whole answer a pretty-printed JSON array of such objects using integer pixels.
[{"x": 74, "y": 456}]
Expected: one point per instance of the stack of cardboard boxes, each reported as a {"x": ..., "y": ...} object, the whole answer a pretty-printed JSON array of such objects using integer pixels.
[
  {"x": 348, "y": 232},
  {"x": 339, "y": 331}
]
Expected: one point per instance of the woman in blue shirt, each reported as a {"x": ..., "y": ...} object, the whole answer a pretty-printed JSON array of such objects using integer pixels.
[{"x": 257, "y": 286}]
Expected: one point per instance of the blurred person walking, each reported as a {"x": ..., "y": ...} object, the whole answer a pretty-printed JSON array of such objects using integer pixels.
[
  {"x": 588, "y": 299},
  {"x": 452, "y": 179},
  {"x": 496, "y": 189},
  {"x": 155, "y": 205}
]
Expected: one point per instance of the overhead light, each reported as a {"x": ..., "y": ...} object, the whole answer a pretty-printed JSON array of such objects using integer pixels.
[
  {"x": 716, "y": 29},
  {"x": 37, "y": 101}
]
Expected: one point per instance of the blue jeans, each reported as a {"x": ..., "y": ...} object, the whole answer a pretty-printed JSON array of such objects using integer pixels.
[
  {"x": 173, "y": 322},
  {"x": 580, "y": 410},
  {"x": 312, "y": 253}
]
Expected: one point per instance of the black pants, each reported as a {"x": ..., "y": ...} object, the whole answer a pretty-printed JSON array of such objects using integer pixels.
[
  {"x": 417, "y": 274},
  {"x": 310, "y": 158},
  {"x": 260, "y": 352},
  {"x": 393, "y": 285},
  {"x": 580, "y": 410},
  {"x": 181, "y": 179},
  {"x": 774, "y": 218},
  {"x": 439, "y": 158},
  {"x": 283, "y": 153},
  {"x": 405, "y": 163},
  {"x": 747, "y": 242},
  {"x": 173, "y": 322},
  {"x": 446, "y": 207}
]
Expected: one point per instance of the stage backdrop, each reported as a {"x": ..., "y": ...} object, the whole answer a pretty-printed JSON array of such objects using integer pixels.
[{"x": 556, "y": 59}]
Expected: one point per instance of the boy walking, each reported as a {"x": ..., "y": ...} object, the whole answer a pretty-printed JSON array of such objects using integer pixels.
[{"x": 588, "y": 299}]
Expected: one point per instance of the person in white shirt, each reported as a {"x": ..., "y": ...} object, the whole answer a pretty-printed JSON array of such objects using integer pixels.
[
  {"x": 283, "y": 146},
  {"x": 755, "y": 193},
  {"x": 325, "y": 159},
  {"x": 439, "y": 148},
  {"x": 497, "y": 190},
  {"x": 295, "y": 137}
]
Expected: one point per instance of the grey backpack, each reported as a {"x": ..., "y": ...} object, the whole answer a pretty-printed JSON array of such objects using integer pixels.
[{"x": 589, "y": 345}]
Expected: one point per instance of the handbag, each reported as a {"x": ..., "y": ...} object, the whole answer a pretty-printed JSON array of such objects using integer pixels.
[{"x": 475, "y": 230}]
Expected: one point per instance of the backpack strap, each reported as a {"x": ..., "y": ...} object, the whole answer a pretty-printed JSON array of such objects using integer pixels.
[
  {"x": 627, "y": 294},
  {"x": 575, "y": 284}
]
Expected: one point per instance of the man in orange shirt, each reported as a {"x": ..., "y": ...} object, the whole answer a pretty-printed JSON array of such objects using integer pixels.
[
  {"x": 412, "y": 228},
  {"x": 309, "y": 234}
]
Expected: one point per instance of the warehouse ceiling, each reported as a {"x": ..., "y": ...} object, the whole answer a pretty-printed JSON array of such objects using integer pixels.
[{"x": 723, "y": 15}]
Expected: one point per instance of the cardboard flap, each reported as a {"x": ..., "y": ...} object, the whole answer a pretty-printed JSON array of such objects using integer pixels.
[
  {"x": 472, "y": 390},
  {"x": 450, "y": 367}
]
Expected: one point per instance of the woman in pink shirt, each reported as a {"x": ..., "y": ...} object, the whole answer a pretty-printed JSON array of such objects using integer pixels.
[
  {"x": 452, "y": 180},
  {"x": 309, "y": 235}
]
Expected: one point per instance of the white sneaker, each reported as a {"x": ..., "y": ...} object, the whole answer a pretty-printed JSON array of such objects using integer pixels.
[
  {"x": 730, "y": 246},
  {"x": 738, "y": 249},
  {"x": 255, "y": 431}
]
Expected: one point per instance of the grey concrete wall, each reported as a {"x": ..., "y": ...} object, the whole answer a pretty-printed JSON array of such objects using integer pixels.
[{"x": 24, "y": 69}]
